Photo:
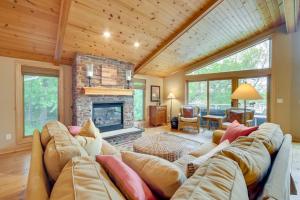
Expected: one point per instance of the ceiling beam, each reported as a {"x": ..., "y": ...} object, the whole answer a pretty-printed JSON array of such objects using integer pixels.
[
  {"x": 291, "y": 14},
  {"x": 178, "y": 33},
  {"x": 65, "y": 6}
]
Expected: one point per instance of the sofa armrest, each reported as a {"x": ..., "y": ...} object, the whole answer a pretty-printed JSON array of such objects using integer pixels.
[{"x": 217, "y": 135}]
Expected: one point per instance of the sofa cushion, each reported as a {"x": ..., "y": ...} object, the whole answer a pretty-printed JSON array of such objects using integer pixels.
[
  {"x": 89, "y": 129},
  {"x": 84, "y": 178},
  {"x": 194, "y": 165},
  {"x": 127, "y": 180},
  {"x": 252, "y": 157},
  {"x": 236, "y": 130},
  {"x": 218, "y": 178},
  {"x": 191, "y": 120},
  {"x": 50, "y": 129},
  {"x": 61, "y": 149},
  {"x": 90, "y": 144},
  {"x": 270, "y": 135},
  {"x": 203, "y": 149},
  {"x": 162, "y": 176}
]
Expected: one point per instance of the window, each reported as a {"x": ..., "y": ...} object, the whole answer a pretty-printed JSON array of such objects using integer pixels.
[
  {"x": 259, "y": 106},
  {"x": 40, "y": 101},
  {"x": 219, "y": 96},
  {"x": 197, "y": 94},
  {"x": 139, "y": 99},
  {"x": 254, "y": 57}
]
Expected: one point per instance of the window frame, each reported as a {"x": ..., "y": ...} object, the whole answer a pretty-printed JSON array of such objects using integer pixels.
[{"x": 44, "y": 70}]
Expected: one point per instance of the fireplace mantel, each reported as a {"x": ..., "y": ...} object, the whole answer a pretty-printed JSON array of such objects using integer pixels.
[{"x": 94, "y": 91}]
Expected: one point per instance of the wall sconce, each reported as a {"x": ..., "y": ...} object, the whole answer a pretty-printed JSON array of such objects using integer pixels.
[
  {"x": 128, "y": 78},
  {"x": 89, "y": 72}
]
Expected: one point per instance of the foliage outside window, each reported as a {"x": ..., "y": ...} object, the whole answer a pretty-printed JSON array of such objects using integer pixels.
[
  {"x": 40, "y": 101},
  {"x": 255, "y": 57},
  {"x": 219, "y": 96},
  {"x": 139, "y": 99}
]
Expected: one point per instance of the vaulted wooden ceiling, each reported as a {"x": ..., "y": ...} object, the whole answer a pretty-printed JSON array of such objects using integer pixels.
[{"x": 172, "y": 34}]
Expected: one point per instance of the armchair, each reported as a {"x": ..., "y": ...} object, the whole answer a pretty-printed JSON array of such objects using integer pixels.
[
  {"x": 189, "y": 116},
  {"x": 238, "y": 114}
]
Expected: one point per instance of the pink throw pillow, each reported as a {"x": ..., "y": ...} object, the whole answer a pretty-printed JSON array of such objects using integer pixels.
[
  {"x": 74, "y": 130},
  {"x": 235, "y": 130},
  {"x": 127, "y": 180}
]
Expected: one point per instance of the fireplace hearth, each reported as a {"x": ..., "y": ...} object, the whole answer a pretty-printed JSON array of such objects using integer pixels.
[{"x": 108, "y": 116}]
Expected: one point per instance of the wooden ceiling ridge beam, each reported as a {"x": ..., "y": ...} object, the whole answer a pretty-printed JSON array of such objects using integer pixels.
[
  {"x": 61, "y": 30},
  {"x": 291, "y": 14},
  {"x": 178, "y": 33}
]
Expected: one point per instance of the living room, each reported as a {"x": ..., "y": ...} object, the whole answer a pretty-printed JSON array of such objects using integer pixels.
[{"x": 141, "y": 99}]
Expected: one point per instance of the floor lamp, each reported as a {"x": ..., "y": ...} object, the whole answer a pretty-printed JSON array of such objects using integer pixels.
[
  {"x": 171, "y": 96},
  {"x": 245, "y": 92}
]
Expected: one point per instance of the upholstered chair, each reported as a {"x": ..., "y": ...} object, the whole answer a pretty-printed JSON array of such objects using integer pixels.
[
  {"x": 189, "y": 116},
  {"x": 238, "y": 114}
]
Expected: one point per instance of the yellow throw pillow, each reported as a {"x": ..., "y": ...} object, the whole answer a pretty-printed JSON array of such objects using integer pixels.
[
  {"x": 84, "y": 178},
  {"x": 162, "y": 176},
  {"x": 89, "y": 129},
  {"x": 252, "y": 157},
  {"x": 194, "y": 165},
  {"x": 218, "y": 178}
]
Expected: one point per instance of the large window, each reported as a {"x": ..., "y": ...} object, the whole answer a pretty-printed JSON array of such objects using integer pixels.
[
  {"x": 197, "y": 94},
  {"x": 139, "y": 99},
  {"x": 40, "y": 101},
  {"x": 254, "y": 57},
  {"x": 219, "y": 96}
]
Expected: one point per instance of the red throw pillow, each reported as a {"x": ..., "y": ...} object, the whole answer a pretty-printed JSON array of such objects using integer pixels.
[
  {"x": 74, "y": 130},
  {"x": 188, "y": 112},
  {"x": 127, "y": 180},
  {"x": 235, "y": 130}
]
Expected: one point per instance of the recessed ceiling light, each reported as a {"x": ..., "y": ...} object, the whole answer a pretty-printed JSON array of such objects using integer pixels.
[
  {"x": 136, "y": 44},
  {"x": 106, "y": 34}
]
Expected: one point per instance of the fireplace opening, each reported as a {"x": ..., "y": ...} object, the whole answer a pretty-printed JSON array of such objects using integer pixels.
[{"x": 108, "y": 116}]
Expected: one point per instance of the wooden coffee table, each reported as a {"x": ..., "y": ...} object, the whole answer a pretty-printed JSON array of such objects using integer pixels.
[{"x": 215, "y": 118}]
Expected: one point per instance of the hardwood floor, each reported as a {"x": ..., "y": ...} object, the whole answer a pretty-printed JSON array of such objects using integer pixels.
[{"x": 14, "y": 169}]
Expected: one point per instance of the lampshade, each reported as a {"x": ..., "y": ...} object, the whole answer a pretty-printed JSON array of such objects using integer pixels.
[
  {"x": 246, "y": 92},
  {"x": 171, "y": 96}
]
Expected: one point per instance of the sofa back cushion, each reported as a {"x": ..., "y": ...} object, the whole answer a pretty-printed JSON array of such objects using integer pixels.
[
  {"x": 252, "y": 157},
  {"x": 38, "y": 185},
  {"x": 162, "y": 176},
  {"x": 61, "y": 149},
  {"x": 127, "y": 180},
  {"x": 91, "y": 145},
  {"x": 84, "y": 178},
  {"x": 50, "y": 129},
  {"x": 218, "y": 178},
  {"x": 270, "y": 135}
]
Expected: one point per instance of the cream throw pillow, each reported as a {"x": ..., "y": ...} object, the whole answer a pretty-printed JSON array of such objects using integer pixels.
[
  {"x": 162, "y": 176},
  {"x": 194, "y": 165},
  {"x": 91, "y": 145},
  {"x": 50, "y": 129},
  {"x": 89, "y": 129}
]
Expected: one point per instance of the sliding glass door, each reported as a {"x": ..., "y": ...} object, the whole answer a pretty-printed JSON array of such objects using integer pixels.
[{"x": 260, "y": 107}]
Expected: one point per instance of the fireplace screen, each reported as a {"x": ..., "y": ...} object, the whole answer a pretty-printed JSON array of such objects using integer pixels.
[{"x": 108, "y": 116}]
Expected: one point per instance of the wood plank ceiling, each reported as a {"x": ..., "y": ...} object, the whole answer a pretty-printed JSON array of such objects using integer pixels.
[{"x": 172, "y": 33}]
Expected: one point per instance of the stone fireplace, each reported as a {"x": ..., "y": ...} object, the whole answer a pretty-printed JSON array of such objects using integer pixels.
[{"x": 109, "y": 112}]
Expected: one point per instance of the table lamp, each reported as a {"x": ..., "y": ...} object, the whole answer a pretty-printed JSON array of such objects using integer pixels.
[
  {"x": 171, "y": 96},
  {"x": 245, "y": 92}
]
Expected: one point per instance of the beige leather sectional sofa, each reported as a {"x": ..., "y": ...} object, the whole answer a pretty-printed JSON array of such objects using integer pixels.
[{"x": 255, "y": 167}]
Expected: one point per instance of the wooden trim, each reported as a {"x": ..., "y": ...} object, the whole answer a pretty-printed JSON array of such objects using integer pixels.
[
  {"x": 61, "y": 30},
  {"x": 61, "y": 96},
  {"x": 18, "y": 148},
  {"x": 235, "y": 48},
  {"x": 230, "y": 75},
  {"x": 94, "y": 91},
  {"x": 178, "y": 33},
  {"x": 20, "y": 139},
  {"x": 291, "y": 14}
]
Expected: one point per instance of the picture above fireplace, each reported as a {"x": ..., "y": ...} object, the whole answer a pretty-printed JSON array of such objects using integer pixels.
[{"x": 108, "y": 116}]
